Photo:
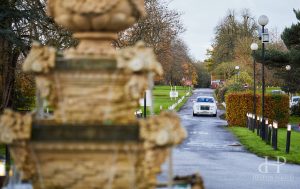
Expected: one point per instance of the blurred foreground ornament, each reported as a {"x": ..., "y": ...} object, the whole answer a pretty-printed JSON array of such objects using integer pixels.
[{"x": 93, "y": 139}]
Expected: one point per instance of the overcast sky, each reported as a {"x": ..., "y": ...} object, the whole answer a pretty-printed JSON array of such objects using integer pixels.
[{"x": 201, "y": 16}]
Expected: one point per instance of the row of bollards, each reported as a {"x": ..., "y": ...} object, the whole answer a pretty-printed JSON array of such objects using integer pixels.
[{"x": 267, "y": 132}]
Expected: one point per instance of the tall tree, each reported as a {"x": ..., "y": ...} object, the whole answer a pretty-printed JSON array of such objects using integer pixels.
[
  {"x": 232, "y": 33},
  {"x": 157, "y": 29},
  {"x": 278, "y": 58},
  {"x": 21, "y": 22},
  {"x": 160, "y": 30},
  {"x": 203, "y": 80}
]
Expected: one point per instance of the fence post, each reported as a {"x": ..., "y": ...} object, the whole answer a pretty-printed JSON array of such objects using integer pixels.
[{"x": 288, "y": 138}]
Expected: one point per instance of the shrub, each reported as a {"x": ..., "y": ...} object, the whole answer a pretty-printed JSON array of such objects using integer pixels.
[
  {"x": 238, "y": 104},
  {"x": 221, "y": 94},
  {"x": 277, "y": 108},
  {"x": 295, "y": 110},
  {"x": 23, "y": 102},
  {"x": 235, "y": 87},
  {"x": 217, "y": 90}
]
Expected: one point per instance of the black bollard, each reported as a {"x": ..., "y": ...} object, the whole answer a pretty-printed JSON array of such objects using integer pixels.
[
  {"x": 261, "y": 132},
  {"x": 274, "y": 135},
  {"x": 250, "y": 121},
  {"x": 253, "y": 122},
  {"x": 288, "y": 139},
  {"x": 247, "y": 121},
  {"x": 258, "y": 125},
  {"x": 266, "y": 130},
  {"x": 269, "y": 134}
]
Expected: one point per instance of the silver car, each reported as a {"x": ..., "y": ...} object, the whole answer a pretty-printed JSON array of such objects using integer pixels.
[
  {"x": 294, "y": 101},
  {"x": 205, "y": 105}
]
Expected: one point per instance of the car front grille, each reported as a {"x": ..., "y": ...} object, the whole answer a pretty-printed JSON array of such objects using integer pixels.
[{"x": 204, "y": 108}]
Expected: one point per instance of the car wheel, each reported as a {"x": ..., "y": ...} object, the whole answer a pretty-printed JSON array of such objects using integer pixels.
[
  {"x": 215, "y": 115},
  {"x": 194, "y": 114}
]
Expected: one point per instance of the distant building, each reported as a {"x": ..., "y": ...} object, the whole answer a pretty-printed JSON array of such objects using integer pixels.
[{"x": 214, "y": 84}]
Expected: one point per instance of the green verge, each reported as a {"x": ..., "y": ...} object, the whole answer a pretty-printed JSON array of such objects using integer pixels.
[
  {"x": 268, "y": 89},
  {"x": 161, "y": 97},
  {"x": 294, "y": 120},
  {"x": 254, "y": 144}
]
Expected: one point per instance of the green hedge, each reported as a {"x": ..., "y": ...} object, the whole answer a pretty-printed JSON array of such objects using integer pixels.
[
  {"x": 277, "y": 108},
  {"x": 238, "y": 104}
]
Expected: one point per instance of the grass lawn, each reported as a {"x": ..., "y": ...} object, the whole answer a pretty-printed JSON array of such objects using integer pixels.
[
  {"x": 161, "y": 97},
  {"x": 254, "y": 144},
  {"x": 294, "y": 120},
  {"x": 268, "y": 89}
]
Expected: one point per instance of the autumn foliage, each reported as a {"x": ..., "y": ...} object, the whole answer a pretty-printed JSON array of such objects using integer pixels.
[
  {"x": 277, "y": 108},
  {"x": 239, "y": 104}
]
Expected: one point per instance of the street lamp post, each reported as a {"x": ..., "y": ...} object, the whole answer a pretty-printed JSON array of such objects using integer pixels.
[
  {"x": 263, "y": 21},
  {"x": 288, "y": 68},
  {"x": 254, "y": 47}
]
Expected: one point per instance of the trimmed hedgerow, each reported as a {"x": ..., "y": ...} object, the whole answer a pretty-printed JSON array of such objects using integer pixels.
[
  {"x": 238, "y": 104},
  {"x": 277, "y": 108}
]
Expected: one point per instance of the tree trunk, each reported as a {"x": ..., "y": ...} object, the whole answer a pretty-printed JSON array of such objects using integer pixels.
[{"x": 8, "y": 62}]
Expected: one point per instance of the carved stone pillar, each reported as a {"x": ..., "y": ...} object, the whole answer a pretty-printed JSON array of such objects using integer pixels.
[{"x": 94, "y": 139}]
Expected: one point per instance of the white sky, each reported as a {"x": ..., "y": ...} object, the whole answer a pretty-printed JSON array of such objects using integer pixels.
[{"x": 200, "y": 17}]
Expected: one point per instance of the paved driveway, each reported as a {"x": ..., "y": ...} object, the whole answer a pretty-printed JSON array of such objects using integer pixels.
[{"x": 216, "y": 154}]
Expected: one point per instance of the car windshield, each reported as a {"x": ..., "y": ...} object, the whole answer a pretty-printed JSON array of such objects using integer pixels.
[
  {"x": 209, "y": 100},
  {"x": 295, "y": 99}
]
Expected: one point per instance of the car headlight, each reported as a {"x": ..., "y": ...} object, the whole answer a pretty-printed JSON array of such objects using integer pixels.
[{"x": 212, "y": 108}]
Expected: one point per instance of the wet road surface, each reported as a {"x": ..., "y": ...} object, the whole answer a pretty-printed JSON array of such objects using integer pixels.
[{"x": 215, "y": 153}]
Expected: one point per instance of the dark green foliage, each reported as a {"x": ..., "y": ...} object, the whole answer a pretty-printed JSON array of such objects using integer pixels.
[
  {"x": 21, "y": 22},
  {"x": 279, "y": 59},
  {"x": 2, "y": 151},
  {"x": 27, "y": 22},
  {"x": 295, "y": 110},
  {"x": 23, "y": 102},
  {"x": 235, "y": 87},
  {"x": 291, "y": 36},
  {"x": 275, "y": 58},
  {"x": 221, "y": 94},
  {"x": 203, "y": 76},
  {"x": 222, "y": 91},
  {"x": 227, "y": 35}
]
